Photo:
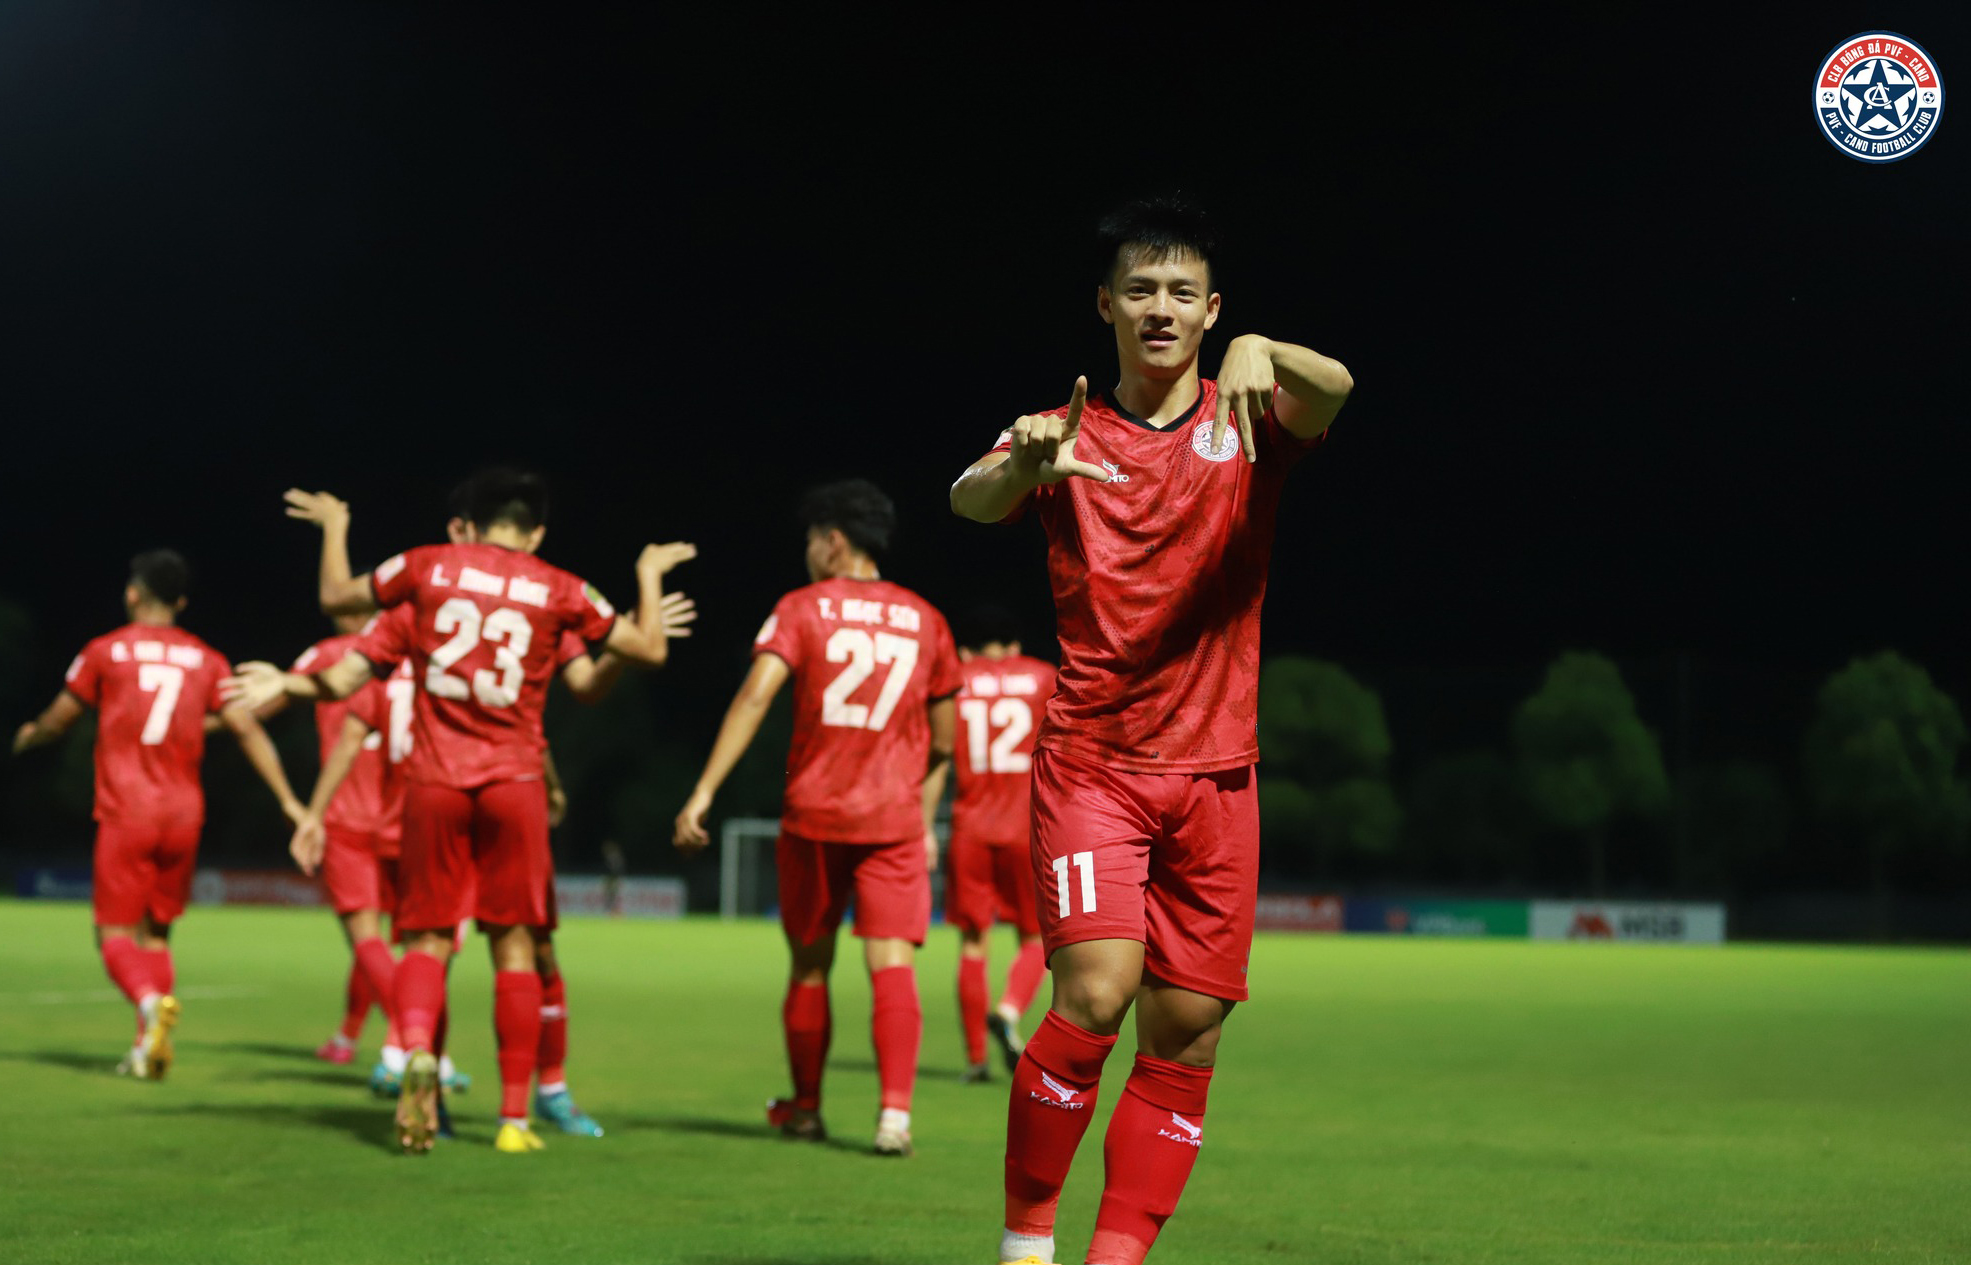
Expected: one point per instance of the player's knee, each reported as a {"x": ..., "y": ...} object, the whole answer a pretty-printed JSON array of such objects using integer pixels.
[{"x": 1097, "y": 1002}]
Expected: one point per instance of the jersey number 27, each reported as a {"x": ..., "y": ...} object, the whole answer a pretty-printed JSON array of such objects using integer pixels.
[{"x": 862, "y": 651}]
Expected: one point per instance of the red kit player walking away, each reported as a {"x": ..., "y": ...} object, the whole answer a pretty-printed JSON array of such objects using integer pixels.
[
  {"x": 152, "y": 685},
  {"x": 988, "y": 871},
  {"x": 1159, "y": 520},
  {"x": 874, "y": 672},
  {"x": 488, "y": 619}
]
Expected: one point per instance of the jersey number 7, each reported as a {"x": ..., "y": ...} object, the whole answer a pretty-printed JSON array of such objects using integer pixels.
[
  {"x": 167, "y": 681},
  {"x": 862, "y": 651}
]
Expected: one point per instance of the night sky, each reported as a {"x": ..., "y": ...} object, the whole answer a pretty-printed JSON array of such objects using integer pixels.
[{"x": 1643, "y": 364}]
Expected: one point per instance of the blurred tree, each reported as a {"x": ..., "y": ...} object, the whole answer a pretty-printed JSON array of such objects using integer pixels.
[
  {"x": 1739, "y": 818},
  {"x": 1881, "y": 762},
  {"x": 1585, "y": 757},
  {"x": 1326, "y": 749},
  {"x": 1466, "y": 820}
]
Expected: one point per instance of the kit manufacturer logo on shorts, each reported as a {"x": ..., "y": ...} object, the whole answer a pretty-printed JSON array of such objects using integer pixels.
[
  {"x": 1201, "y": 441},
  {"x": 1878, "y": 97}
]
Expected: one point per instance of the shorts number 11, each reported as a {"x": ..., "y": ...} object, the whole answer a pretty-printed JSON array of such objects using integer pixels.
[{"x": 1085, "y": 862}]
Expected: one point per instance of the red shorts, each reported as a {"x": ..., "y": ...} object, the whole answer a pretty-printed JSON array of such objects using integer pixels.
[
  {"x": 481, "y": 854},
  {"x": 358, "y": 874},
  {"x": 986, "y": 883},
  {"x": 891, "y": 884},
  {"x": 1170, "y": 859},
  {"x": 144, "y": 870}
]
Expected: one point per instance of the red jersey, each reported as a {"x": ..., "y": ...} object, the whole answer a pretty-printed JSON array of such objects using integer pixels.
[
  {"x": 484, "y": 636},
  {"x": 1158, "y": 578},
  {"x": 999, "y": 709},
  {"x": 388, "y": 708},
  {"x": 868, "y": 656},
  {"x": 358, "y": 803},
  {"x": 151, "y": 686}
]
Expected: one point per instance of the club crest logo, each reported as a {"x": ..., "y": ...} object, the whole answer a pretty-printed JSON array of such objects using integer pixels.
[
  {"x": 1201, "y": 441},
  {"x": 1878, "y": 97}
]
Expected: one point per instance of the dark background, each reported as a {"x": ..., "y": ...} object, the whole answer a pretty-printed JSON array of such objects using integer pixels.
[{"x": 1644, "y": 365}]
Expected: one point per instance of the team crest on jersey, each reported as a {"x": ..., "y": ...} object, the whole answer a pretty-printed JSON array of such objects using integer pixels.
[
  {"x": 1878, "y": 97},
  {"x": 1201, "y": 441},
  {"x": 597, "y": 600}
]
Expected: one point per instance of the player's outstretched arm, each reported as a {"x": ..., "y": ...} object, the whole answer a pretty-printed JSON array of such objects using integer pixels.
[
  {"x": 647, "y": 640},
  {"x": 51, "y": 724},
  {"x": 943, "y": 715},
  {"x": 310, "y": 839},
  {"x": 1312, "y": 389},
  {"x": 736, "y": 732},
  {"x": 265, "y": 760},
  {"x": 1042, "y": 452},
  {"x": 253, "y": 685},
  {"x": 340, "y": 592}
]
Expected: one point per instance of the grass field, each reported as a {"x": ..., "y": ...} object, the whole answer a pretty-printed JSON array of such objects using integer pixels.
[{"x": 1382, "y": 1100}]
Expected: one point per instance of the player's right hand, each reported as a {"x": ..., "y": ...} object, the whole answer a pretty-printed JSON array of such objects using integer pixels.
[
  {"x": 659, "y": 559},
  {"x": 253, "y": 685},
  {"x": 1043, "y": 446},
  {"x": 309, "y": 843},
  {"x": 677, "y": 612},
  {"x": 23, "y": 737},
  {"x": 688, "y": 833},
  {"x": 319, "y": 508}
]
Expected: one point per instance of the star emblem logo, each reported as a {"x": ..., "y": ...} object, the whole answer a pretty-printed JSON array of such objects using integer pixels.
[{"x": 1873, "y": 94}]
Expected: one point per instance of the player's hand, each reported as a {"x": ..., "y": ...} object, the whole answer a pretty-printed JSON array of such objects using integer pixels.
[
  {"x": 659, "y": 559},
  {"x": 325, "y": 511},
  {"x": 557, "y": 805},
  {"x": 1043, "y": 447},
  {"x": 1245, "y": 390},
  {"x": 931, "y": 851},
  {"x": 688, "y": 832},
  {"x": 309, "y": 843},
  {"x": 677, "y": 612},
  {"x": 253, "y": 686},
  {"x": 23, "y": 737}
]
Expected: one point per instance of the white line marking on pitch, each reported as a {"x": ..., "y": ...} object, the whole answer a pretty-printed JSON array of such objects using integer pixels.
[{"x": 90, "y": 996}]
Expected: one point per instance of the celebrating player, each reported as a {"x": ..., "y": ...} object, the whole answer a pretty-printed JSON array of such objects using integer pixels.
[
  {"x": 1158, "y": 498},
  {"x": 988, "y": 873},
  {"x": 874, "y": 672},
  {"x": 152, "y": 685},
  {"x": 488, "y": 620}
]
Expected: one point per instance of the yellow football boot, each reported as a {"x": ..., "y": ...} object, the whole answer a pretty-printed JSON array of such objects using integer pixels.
[
  {"x": 157, "y": 1038},
  {"x": 518, "y": 1139},
  {"x": 417, "y": 1105}
]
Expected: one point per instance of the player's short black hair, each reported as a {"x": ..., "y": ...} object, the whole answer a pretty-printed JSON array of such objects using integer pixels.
[
  {"x": 857, "y": 508},
  {"x": 162, "y": 574},
  {"x": 504, "y": 494},
  {"x": 985, "y": 623},
  {"x": 1154, "y": 228}
]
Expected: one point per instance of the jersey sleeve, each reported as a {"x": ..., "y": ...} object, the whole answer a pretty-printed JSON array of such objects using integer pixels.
[
  {"x": 387, "y": 641},
  {"x": 215, "y": 699},
  {"x": 946, "y": 675},
  {"x": 371, "y": 705},
  {"x": 84, "y": 678},
  {"x": 395, "y": 579},
  {"x": 589, "y": 613},
  {"x": 1019, "y": 510},
  {"x": 570, "y": 648},
  {"x": 781, "y": 635},
  {"x": 1276, "y": 441}
]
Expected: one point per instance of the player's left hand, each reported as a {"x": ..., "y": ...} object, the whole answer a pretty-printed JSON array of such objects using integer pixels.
[
  {"x": 677, "y": 612},
  {"x": 23, "y": 737},
  {"x": 253, "y": 685},
  {"x": 309, "y": 843},
  {"x": 557, "y": 805},
  {"x": 319, "y": 508},
  {"x": 1245, "y": 389},
  {"x": 661, "y": 558},
  {"x": 688, "y": 832}
]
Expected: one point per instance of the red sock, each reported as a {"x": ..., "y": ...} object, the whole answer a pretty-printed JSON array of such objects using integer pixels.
[
  {"x": 394, "y": 1036},
  {"x": 896, "y": 1025},
  {"x": 972, "y": 1006},
  {"x": 1151, "y": 1147},
  {"x": 1023, "y": 980},
  {"x": 356, "y": 1002},
  {"x": 163, "y": 974},
  {"x": 554, "y": 1032},
  {"x": 379, "y": 970},
  {"x": 1054, "y": 1091},
  {"x": 517, "y": 1025},
  {"x": 805, "y": 1018},
  {"x": 420, "y": 987},
  {"x": 129, "y": 968}
]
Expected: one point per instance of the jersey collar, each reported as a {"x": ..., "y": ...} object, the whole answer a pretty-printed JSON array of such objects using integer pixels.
[{"x": 1108, "y": 398}]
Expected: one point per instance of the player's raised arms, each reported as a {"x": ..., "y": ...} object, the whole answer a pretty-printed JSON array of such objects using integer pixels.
[{"x": 1042, "y": 452}]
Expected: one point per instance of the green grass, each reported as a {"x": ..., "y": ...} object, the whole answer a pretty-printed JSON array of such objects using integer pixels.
[{"x": 1381, "y": 1100}]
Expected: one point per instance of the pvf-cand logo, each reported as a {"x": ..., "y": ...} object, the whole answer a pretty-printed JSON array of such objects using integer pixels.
[{"x": 1878, "y": 97}]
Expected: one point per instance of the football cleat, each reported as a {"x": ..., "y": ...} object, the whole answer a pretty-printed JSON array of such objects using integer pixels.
[
  {"x": 385, "y": 1083},
  {"x": 156, "y": 1045},
  {"x": 336, "y": 1052},
  {"x": 797, "y": 1123},
  {"x": 417, "y": 1106},
  {"x": 559, "y": 1109},
  {"x": 454, "y": 1081},
  {"x": 517, "y": 1139},
  {"x": 132, "y": 1064},
  {"x": 976, "y": 1074},
  {"x": 892, "y": 1134},
  {"x": 1027, "y": 1260},
  {"x": 1008, "y": 1038}
]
